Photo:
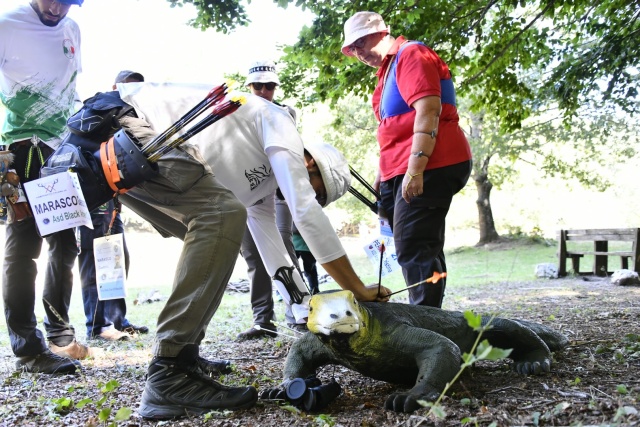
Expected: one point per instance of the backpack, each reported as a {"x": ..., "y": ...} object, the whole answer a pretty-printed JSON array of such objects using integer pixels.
[{"x": 97, "y": 120}]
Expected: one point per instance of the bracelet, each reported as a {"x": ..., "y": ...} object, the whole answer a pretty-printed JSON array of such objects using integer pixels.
[
  {"x": 412, "y": 176},
  {"x": 432, "y": 133}
]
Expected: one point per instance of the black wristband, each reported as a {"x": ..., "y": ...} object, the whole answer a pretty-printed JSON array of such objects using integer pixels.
[{"x": 419, "y": 154}]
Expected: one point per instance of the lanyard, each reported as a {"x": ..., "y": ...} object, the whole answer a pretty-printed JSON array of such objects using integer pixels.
[{"x": 386, "y": 72}]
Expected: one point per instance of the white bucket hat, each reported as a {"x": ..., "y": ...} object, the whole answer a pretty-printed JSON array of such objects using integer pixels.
[
  {"x": 262, "y": 72},
  {"x": 362, "y": 24},
  {"x": 333, "y": 168}
]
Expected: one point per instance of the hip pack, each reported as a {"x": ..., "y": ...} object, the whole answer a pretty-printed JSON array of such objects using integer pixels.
[{"x": 113, "y": 168}]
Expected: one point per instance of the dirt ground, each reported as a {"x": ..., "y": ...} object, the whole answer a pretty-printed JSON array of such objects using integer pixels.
[{"x": 593, "y": 382}]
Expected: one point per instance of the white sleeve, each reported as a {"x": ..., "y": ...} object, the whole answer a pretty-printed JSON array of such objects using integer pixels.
[
  {"x": 261, "y": 219},
  {"x": 79, "y": 52},
  {"x": 312, "y": 223},
  {"x": 262, "y": 224}
]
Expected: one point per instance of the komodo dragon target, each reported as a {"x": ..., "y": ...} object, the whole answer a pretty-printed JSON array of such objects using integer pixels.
[{"x": 403, "y": 344}]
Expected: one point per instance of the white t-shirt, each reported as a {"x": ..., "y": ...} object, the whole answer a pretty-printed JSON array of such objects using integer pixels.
[
  {"x": 253, "y": 151},
  {"x": 38, "y": 70}
]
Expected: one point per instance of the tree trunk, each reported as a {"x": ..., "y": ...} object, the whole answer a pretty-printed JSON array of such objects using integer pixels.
[
  {"x": 488, "y": 231},
  {"x": 481, "y": 160}
]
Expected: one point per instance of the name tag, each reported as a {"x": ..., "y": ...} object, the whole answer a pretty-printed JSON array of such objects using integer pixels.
[
  {"x": 57, "y": 203},
  {"x": 110, "y": 268}
]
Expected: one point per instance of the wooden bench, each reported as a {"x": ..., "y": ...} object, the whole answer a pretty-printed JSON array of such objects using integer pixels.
[{"x": 629, "y": 259}]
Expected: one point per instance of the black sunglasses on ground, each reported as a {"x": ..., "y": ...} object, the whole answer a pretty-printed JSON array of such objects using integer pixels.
[{"x": 258, "y": 86}]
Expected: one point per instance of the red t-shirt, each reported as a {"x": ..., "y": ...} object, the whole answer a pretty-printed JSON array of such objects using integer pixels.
[{"x": 418, "y": 74}]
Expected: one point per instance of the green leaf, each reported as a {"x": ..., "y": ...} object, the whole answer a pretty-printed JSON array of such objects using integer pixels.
[
  {"x": 535, "y": 416},
  {"x": 438, "y": 411},
  {"x": 104, "y": 413},
  {"x": 468, "y": 359},
  {"x": 291, "y": 409},
  {"x": 62, "y": 404},
  {"x": 601, "y": 349},
  {"x": 123, "y": 414},
  {"x": 483, "y": 350},
  {"x": 486, "y": 351},
  {"x": 560, "y": 407},
  {"x": 324, "y": 420},
  {"x": 81, "y": 404},
  {"x": 499, "y": 353},
  {"x": 632, "y": 337},
  {"x": 474, "y": 321},
  {"x": 110, "y": 386},
  {"x": 622, "y": 389},
  {"x": 101, "y": 401}
]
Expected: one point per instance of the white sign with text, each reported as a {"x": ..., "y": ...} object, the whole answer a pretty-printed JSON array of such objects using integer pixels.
[
  {"x": 57, "y": 203},
  {"x": 389, "y": 257},
  {"x": 110, "y": 267}
]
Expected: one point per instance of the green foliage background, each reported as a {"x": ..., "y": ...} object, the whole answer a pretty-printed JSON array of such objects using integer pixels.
[
  {"x": 548, "y": 83},
  {"x": 509, "y": 55}
]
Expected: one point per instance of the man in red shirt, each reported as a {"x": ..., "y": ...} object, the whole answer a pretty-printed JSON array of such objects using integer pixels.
[{"x": 425, "y": 157}]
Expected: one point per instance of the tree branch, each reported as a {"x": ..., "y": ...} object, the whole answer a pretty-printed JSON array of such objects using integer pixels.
[{"x": 509, "y": 44}]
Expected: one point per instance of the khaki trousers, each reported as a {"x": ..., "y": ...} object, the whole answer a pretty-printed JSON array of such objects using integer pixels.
[{"x": 186, "y": 201}]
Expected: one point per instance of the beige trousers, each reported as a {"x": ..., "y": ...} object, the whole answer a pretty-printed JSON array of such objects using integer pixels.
[{"x": 186, "y": 201}]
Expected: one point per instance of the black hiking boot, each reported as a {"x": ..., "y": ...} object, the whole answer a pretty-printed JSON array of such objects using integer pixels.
[
  {"x": 176, "y": 386},
  {"x": 214, "y": 367},
  {"x": 47, "y": 363}
]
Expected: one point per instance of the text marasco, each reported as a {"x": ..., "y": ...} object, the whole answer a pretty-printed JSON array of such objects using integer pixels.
[{"x": 53, "y": 205}]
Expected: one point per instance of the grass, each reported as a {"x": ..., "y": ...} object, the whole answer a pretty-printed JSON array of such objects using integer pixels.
[
  {"x": 513, "y": 260},
  {"x": 510, "y": 261},
  {"x": 153, "y": 264}
]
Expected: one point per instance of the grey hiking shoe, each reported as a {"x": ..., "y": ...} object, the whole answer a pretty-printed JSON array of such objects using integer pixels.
[
  {"x": 253, "y": 333},
  {"x": 298, "y": 327},
  {"x": 47, "y": 363},
  {"x": 177, "y": 387}
]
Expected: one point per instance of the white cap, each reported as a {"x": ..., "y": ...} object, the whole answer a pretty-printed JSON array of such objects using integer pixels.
[
  {"x": 262, "y": 72},
  {"x": 128, "y": 74},
  {"x": 359, "y": 25},
  {"x": 333, "y": 168}
]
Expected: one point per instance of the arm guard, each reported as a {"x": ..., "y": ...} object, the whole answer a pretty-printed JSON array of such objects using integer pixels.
[
  {"x": 293, "y": 291},
  {"x": 290, "y": 285}
]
